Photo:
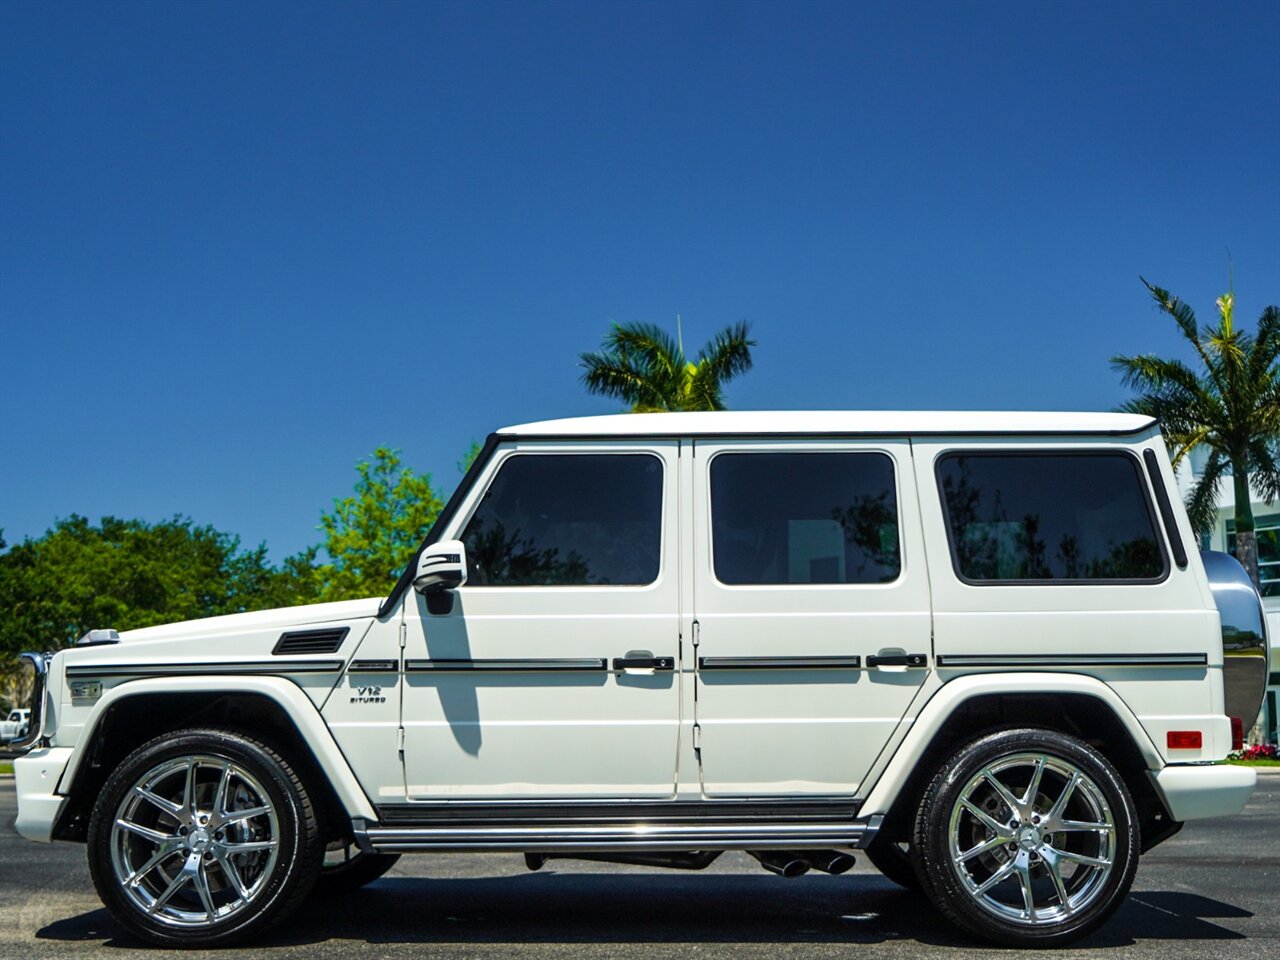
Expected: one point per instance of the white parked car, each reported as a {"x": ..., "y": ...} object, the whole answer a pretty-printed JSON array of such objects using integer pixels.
[
  {"x": 14, "y": 725},
  {"x": 980, "y": 648}
]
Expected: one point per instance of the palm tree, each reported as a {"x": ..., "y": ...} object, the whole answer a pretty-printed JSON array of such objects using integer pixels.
[
  {"x": 642, "y": 365},
  {"x": 1231, "y": 405}
]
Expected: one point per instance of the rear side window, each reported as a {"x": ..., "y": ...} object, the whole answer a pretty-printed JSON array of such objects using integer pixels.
[
  {"x": 780, "y": 518},
  {"x": 568, "y": 520},
  {"x": 1044, "y": 517}
]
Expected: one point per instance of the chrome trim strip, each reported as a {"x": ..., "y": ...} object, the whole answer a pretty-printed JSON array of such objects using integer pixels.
[
  {"x": 779, "y": 663},
  {"x": 272, "y": 667},
  {"x": 35, "y": 722},
  {"x": 1074, "y": 660},
  {"x": 643, "y": 835},
  {"x": 503, "y": 666},
  {"x": 374, "y": 666}
]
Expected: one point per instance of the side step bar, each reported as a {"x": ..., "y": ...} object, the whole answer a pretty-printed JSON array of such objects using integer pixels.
[{"x": 617, "y": 837}]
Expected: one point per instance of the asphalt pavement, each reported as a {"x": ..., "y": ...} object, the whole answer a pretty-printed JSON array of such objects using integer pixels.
[{"x": 1211, "y": 892}]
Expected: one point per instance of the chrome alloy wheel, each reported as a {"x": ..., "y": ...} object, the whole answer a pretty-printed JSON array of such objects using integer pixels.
[
  {"x": 1032, "y": 839},
  {"x": 194, "y": 841}
]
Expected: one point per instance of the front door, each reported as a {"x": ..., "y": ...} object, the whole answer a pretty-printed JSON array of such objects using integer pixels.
[
  {"x": 552, "y": 674},
  {"x": 811, "y": 601}
]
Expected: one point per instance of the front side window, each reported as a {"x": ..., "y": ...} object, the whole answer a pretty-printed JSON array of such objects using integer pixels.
[
  {"x": 1049, "y": 517},
  {"x": 568, "y": 520},
  {"x": 791, "y": 518}
]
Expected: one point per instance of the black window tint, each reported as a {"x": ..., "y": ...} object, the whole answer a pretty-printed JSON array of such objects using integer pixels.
[
  {"x": 1049, "y": 517},
  {"x": 804, "y": 518},
  {"x": 565, "y": 519}
]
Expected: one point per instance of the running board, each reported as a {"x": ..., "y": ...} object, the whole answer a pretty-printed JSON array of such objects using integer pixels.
[{"x": 672, "y": 837}]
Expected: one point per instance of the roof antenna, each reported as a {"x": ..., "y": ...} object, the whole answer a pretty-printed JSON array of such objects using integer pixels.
[{"x": 680, "y": 337}]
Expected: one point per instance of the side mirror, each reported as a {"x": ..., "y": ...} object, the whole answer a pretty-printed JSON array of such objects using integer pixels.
[{"x": 442, "y": 566}]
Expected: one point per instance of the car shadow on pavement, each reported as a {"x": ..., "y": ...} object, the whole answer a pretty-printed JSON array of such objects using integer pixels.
[{"x": 551, "y": 907}]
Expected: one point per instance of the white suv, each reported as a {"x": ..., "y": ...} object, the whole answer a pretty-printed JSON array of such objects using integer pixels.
[{"x": 979, "y": 647}]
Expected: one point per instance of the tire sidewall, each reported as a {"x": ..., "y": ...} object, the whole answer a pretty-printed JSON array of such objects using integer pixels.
[
  {"x": 293, "y": 815},
  {"x": 931, "y": 839}
]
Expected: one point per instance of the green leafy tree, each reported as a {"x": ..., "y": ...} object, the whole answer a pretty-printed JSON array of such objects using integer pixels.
[
  {"x": 642, "y": 365},
  {"x": 1229, "y": 403},
  {"x": 125, "y": 574},
  {"x": 371, "y": 535}
]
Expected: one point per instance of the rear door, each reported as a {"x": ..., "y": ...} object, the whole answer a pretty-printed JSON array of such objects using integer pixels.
[{"x": 811, "y": 602}]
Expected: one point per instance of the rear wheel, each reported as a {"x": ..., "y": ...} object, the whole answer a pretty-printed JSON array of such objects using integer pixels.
[
  {"x": 895, "y": 860},
  {"x": 202, "y": 838},
  {"x": 1027, "y": 838}
]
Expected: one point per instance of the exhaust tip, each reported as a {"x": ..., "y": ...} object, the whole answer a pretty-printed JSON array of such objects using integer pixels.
[
  {"x": 832, "y": 861},
  {"x": 781, "y": 862}
]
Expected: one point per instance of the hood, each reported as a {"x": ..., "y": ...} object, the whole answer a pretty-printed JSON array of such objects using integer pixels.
[{"x": 236, "y": 623}]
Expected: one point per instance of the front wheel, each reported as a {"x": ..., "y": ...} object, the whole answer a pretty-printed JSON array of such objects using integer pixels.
[
  {"x": 202, "y": 838},
  {"x": 1027, "y": 838}
]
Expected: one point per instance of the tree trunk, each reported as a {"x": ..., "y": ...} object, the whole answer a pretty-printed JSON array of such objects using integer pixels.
[
  {"x": 1246, "y": 539},
  {"x": 1247, "y": 554}
]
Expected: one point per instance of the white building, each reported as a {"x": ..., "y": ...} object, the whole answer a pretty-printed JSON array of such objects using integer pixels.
[{"x": 1266, "y": 519}]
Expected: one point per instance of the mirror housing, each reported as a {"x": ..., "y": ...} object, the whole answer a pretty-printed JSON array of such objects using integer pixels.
[{"x": 441, "y": 566}]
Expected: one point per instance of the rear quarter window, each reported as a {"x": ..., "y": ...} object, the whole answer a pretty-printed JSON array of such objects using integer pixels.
[{"x": 1052, "y": 517}]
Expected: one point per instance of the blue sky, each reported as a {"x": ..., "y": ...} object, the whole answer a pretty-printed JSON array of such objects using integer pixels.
[{"x": 241, "y": 245}]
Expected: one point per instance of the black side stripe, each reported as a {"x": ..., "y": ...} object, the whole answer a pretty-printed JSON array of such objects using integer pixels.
[
  {"x": 504, "y": 666},
  {"x": 276, "y": 667},
  {"x": 779, "y": 663},
  {"x": 1074, "y": 660}
]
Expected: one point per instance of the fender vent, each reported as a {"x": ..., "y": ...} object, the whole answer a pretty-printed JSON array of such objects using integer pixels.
[{"x": 311, "y": 641}]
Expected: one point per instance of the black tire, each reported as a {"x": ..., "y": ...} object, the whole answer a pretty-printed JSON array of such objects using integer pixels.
[
  {"x": 1025, "y": 847},
  {"x": 356, "y": 870},
  {"x": 205, "y": 824},
  {"x": 895, "y": 863}
]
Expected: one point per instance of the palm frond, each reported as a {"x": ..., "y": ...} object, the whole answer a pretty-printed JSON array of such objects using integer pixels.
[
  {"x": 649, "y": 343},
  {"x": 1266, "y": 343},
  {"x": 726, "y": 356},
  {"x": 703, "y": 391},
  {"x": 1185, "y": 317},
  {"x": 1202, "y": 504},
  {"x": 612, "y": 376},
  {"x": 1264, "y": 467},
  {"x": 1149, "y": 372}
]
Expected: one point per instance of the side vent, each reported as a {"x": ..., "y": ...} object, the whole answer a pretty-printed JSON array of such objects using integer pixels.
[{"x": 311, "y": 641}]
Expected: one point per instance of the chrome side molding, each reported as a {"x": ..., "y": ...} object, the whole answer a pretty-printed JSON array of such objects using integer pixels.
[{"x": 617, "y": 837}]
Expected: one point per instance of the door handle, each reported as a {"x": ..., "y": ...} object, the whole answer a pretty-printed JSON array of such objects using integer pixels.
[
  {"x": 638, "y": 661},
  {"x": 894, "y": 658}
]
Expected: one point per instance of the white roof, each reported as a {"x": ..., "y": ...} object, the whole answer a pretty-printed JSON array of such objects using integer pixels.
[{"x": 869, "y": 422}]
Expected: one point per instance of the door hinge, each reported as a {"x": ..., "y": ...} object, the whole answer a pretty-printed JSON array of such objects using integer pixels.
[
  {"x": 404, "y": 632},
  {"x": 697, "y": 738},
  {"x": 400, "y": 742},
  {"x": 696, "y": 633}
]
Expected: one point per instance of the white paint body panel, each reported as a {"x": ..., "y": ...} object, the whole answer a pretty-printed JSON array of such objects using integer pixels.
[
  {"x": 1199, "y": 792},
  {"x": 548, "y": 734},
  {"x": 789, "y": 732},
  {"x": 36, "y": 777},
  {"x": 1174, "y": 616}
]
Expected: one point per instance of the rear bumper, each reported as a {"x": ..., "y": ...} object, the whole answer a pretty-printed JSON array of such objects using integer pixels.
[
  {"x": 1196, "y": 791},
  {"x": 36, "y": 776}
]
